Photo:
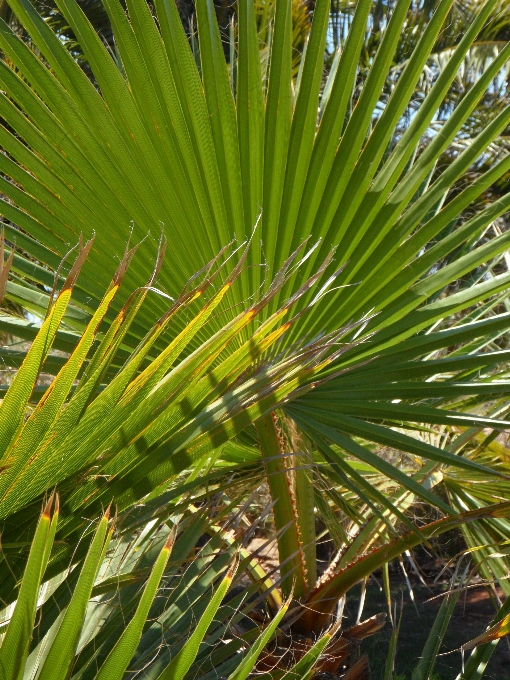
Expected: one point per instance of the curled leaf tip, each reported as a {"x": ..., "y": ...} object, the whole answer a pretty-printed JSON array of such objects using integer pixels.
[
  {"x": 160, "y": 258},
  {"x": 171, "y": 538},
  {"x": 47, "y": 508},
  {"x": 84, "y": 251},
  {"x": 107, "y": 511},
  {"x": 124, "y": 264},
  {"x": 232, "y": 568},
  {"x": 4, "y": 268}
]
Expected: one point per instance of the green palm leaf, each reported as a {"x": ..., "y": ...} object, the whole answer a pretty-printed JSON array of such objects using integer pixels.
[{"x": 360, "y": 347}]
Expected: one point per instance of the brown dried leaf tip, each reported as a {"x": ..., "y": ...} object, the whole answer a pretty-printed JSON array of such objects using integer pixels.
[{"x": 4, "y": 268}]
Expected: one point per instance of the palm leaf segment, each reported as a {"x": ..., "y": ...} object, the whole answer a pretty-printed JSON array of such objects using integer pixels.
[
  {"x": 152, "y": 420},
  {"x": 158, "y": 143},
  {"x": 92, "y": 621}
]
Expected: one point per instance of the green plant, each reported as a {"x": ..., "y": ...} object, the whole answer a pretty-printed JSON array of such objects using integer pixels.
[
  {"x": 94, "y": 631},
  {"x": 347, "y": 338}
]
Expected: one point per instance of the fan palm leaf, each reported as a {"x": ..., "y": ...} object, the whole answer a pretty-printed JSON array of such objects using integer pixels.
[{"x": 155, "y": 143}]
